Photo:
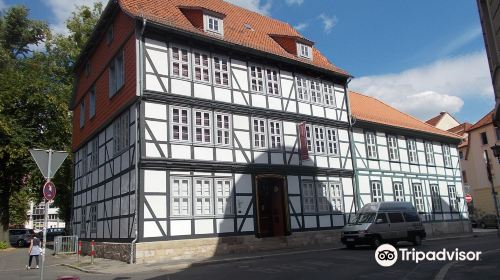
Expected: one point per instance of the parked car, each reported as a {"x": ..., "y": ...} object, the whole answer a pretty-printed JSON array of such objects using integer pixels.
[
  {"x": 51, "y": 233},
  {"x": 20, "y": 237},
  {"x": 380, "y": 222},
  {"x": 487, "y": 221}
]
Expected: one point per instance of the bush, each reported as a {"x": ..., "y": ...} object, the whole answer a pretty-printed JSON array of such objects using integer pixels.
[{"x": 3, "y": 245}]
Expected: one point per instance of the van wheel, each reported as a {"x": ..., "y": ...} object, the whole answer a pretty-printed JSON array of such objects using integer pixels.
[
  {"x": 417, "y": 240},
  {"x": 21, "y": 243},
  {"x": 350, "y": 245},
  {"x": 376, "y": 242}
]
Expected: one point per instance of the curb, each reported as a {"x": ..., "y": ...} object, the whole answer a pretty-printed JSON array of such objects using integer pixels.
[{"x": 81, "y": 269}]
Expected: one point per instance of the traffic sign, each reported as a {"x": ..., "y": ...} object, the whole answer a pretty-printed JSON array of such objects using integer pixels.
[
  {"x": 49, "y": 190},
  {"x": 48, "y": 161},
  {"x": 468, "y": 198}
]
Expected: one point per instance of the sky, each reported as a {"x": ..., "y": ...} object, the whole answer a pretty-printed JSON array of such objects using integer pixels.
[{"x": 422, "y": 57}]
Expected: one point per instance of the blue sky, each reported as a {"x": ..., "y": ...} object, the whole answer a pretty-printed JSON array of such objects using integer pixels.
[{"x": 422, "y": 57}]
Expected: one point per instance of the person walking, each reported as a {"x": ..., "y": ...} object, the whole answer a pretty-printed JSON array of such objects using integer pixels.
[{"x": 35, "y": 251}]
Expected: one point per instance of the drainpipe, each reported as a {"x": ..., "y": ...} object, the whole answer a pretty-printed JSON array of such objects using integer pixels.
[{"x": 137, "y": 147}]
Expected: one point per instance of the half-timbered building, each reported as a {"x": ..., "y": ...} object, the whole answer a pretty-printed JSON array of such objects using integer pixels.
[{"x": 195, "y": 121}]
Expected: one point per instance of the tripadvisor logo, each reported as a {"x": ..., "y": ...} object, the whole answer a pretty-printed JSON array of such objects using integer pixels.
[{"x": 386, "y": 255}]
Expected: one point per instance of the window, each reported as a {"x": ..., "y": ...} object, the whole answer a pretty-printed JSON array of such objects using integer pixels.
[
  {"x": 121, "y": 133},
  {"x": 447, "y": 156},
  {"x": 309, "y": 138},
  {"x": 392, "y": 142},
  {"x": 322, "y": 198},
  {"x": 371, "y": 145},
  {"x": 411, "y": 217},
  {"x": 484, "y": 138},
  {"x": 180, "y": 124},
  {"x": 398, "y": 191},
  {"x": 181, "y": 198},
  {"x": 308, "y": 197},
  {"x": 419, "y": 197},
  {"x": 412, "y": 151},
  {"x": 223, "y": 129},
  {"x": 116, "y": 74},
  {"x": 92, "y": 102},
  {"x": 223, "y": 196},
  {"x": 272, "y": 82},
  {"x": 429, "y": 153},
  {"x": 275, "y": 135},
  {"x": 83, "y": 223},
  {"x": 93, "y": 218},
  {"x": 329, "y": 94},
  {"x": 464, "y": 176},
  {"x": 203, "y": 196},
  {"x": 315, "y": 87},
  {"x": 82, "y": 113},
  {"x": 453, "y": 199},
  {"x": 302, "y": 89},
  {"x": 395, "y": 217},
  {"x": 319, "y": 139},
  {"x": 336, "y": 196},
  {"x": 256, "y": 78},
  {"x": 94, "y": 157},
  {"x": 202, "y": 127},
  {"x": 201, "y": 66},
  {"x": 213, "y": 24},
  {"x": 304, "y": 51},
  {"x": 259, "y": 133},
  {"x": 332, "y": 141},
  {"x": 377, "y": 195},
  {"x": 109, "y": 34},
  {"x": 383, "y": 217},
  {"x": 221, "y": 71},
  {"x": 180, "y": 62},
  {"x": 436, "y": 198}
]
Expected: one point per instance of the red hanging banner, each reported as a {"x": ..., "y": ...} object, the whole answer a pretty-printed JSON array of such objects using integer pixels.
[{"x": 304, "y": 152}]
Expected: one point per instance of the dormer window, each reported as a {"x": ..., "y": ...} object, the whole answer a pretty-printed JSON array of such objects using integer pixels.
[
  {"x": 304, "y": 51},
  {"x": 213, "y": 24}
]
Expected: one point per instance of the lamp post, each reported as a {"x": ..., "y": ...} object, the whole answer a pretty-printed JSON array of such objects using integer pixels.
[{"x": 496, "y": 153}]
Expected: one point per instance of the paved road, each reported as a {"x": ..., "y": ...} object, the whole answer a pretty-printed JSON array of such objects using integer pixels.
[{"x": 331, "y": 264}]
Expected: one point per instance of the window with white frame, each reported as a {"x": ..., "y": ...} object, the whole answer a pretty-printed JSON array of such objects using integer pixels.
[
  {"x": 259, "y": 133},
  {"x": 371, "y": 145},
  {"x": 93, "y": 218},
  {"x": 419, "y": 197},
  {"x": 376, "y": 188},
  {"x": 412, "y": 151},
  {"x": 272, "y": 79},
  {"x": 332, "y": 140},
  {"x": 94, "y": 157},
  {"x": 309, "y": 138},
  {"x": 223, "y": 196},
  {"x": 275, "y": 135},
  {"x": 329, "y": 94},
  {"x": 221, "y": 70},
  {"x": 180, "y": 62},
  {"x": 436, "y": 198},
  {"x": 180, "y": 124},
  {"x": 336, "y": 196},
  {"x": 315, "y": 87},
  {"x": 302, "y": 89},
  {"x": 180, "y": 196},
  {"x": 392, "y": 142},
  {"x": 203, "y": 196},
  {"x": 429, "y": 153},
  {"x": 447, "y": 156},
  {"x": 121, "y": 133},
  {"x": 304, "y": 51},
  {"x": 223, "y": 129},
  {"x": 92, "y": 102},
  {"x": 322, "y": 197},
  {"x": 257, "y": 78},
  {"x": 214, "y": 24},
  {"x": 453, "y": 198},
  {"x": 398, "y": 191},
  {"x": 202, "y": 126},
  {"x": 308, "y": 197},
  {"x": 201, "y": 66},
  {"x": 82, "y": 113},
  {"x": 116, "y": 74},
  {"x": 319, "y": 139}
]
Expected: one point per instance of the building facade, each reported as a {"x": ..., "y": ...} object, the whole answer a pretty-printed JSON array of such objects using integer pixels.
[{"x": 36, "y": 216}]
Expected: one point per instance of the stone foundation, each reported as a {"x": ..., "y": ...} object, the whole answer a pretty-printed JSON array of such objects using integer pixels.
[
  {"x": 437, "y": 229},
  {"x": 108, "y": 250}
]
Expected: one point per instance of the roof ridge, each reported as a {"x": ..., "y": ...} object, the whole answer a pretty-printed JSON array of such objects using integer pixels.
[{"x": 484, "y": 117}]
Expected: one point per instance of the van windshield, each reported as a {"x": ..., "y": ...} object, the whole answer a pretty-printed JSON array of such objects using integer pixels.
[{"x": 366, "y": 217}]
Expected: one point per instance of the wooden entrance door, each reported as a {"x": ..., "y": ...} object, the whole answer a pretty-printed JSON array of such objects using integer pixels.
[{"x": 271, "y": 211}]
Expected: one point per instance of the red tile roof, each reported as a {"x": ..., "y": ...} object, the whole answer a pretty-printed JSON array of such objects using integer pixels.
[
  {"x": 434, "y": 121},
  {"x": 372, "y": 110},
  {"x": 487, "y": 119},
  {"x": 167, "y": 12},
  {"x": 460, "y": 129}
]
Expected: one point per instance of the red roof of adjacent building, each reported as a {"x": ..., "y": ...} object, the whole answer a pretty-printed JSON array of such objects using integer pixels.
[
  {"x": 460, "y": 129},
  {"x": 372, "y": 110},
  {"x": 241, "y": 26},
  {"x": 435, "y": 120},
  {"x": 487, "y": 119}
]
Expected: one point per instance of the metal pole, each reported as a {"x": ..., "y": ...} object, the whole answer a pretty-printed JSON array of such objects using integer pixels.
[{"x": 46, "y": 218}]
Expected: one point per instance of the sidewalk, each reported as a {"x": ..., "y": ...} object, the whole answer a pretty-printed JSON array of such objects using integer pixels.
[{"x": 106, "y": 266}]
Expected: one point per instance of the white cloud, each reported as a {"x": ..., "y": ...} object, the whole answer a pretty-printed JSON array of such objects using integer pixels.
[
  {"x": 440, "y": 86},
  {"x": 328, "y": 22},
  {"x": 253, "y": 5},
  {"x": 294, "y": 2},
  {"x": 62, "y": 9},
  {"x": 301, "y": 26}
]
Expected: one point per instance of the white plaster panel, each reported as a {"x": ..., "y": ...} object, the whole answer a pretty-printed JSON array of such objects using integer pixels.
[
  {"x": 222, "y": 94},
  {"x": 159, "y": 130},
  {"x": 347, "y": 186},
  {"x": 387, "y": 185},
  {"x": 202, "y": 91},
  {"x": 243, "y": 183},
  {"x": 225, "y": 225},
  {"x": 259, "y": 100},
  {"x": 242, "y": 203},
  {"x": 243, "y": 138},
  {"x": 277, "y": 158},
  {"x": 334, "y": 162},
  {"x": 155, "y": 44},
  {"x": 292, "y": 106},
  {"x": 158, "y": 204},
  {"x": 373, "y": 164},
  {"x": 321, "y": 161},
  {"x": 224, "y": 154},
  {"x": 181, "y": 87},
  {"x": 338, "y": 220},
  {"x": 292, "y": 158},
  {"x": 153, "y": 84},
  {"x": 160, "y": 61},
  {"x": 240, "y": 156},
  {"x": 260, "y": 157},
  {"x": 293, "y": 223},
  {"x": 241, "y": 79},
  {"x": 203, "y": 226},
  {"x": 290, "y": 142},
  {"x": 343, "y": 135},
  {"x": 241, "y": 122},
  {"x": 180, "y": 227},
  {"x": 339, "y": 99},
  {"x": 247, "y": 226},
  {"x": 155, "y": 181},
  {"x": 203, "y": 153},
  {"x": 155, "y": 111},
  {"x": 318, "y": 111},
  {"x": 324, "y": 221},
  {"x": 289, "y": 128},
  {"x": 115, "y": 225},
  {"x": 152, "y": 151},
  {"x": 274, "y": 103},
  {"x": 293, "y": 184},
  {"x": 304, "y": 108},
  {"x": 330, "y": 114},
  {"x": 395, "y": 166},
  {"x": 295, "y": 202},
  {"x": 181, "y": 151},
  {"x": 310, "y": 222}
]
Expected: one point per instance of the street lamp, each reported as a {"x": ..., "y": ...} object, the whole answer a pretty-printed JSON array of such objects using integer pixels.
[{"x": 496, "y": 152}]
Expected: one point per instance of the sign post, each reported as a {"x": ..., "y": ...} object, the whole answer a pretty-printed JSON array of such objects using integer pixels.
[{"x": 48, "y": 162}]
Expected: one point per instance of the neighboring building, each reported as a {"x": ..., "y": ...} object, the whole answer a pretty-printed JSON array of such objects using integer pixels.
[
  {"x": 482, "y": 136},
  {"x": 186, "y": 130},
  {"x": 490, "y": 21},
  {"x": 36, "y": 216},
  {"x": 400, "y": 158},
  {"x": 443, "y": 121}
]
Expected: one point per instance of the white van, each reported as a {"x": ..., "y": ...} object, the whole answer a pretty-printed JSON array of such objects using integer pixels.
[{"x": 380, "y": 222}]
